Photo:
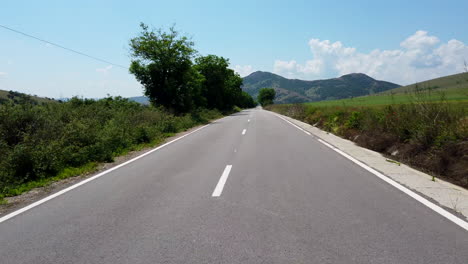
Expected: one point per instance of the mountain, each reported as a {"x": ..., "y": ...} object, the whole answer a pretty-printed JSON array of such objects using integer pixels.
[
  {"x": 452, "y": 88},
  {"x": 140, "y": 99},
  {"x": 299, "y": 91}
]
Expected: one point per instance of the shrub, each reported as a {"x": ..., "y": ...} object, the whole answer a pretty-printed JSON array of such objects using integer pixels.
[
  {"x": 38, "y": 142},
  {"x": 354, "y": 120}
]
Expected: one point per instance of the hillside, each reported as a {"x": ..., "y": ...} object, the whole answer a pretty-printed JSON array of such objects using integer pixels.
[
  {"x": 299, "y": 91},
  {"x": 452, "y": 88},
  {"x": 455, "y": 81},
  {"x": 17, "y": 97}
]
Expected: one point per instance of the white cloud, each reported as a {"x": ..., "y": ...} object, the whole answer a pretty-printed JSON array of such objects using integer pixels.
[
  {"x": 290, "y": 68},
  {"x": 3, "y": 74},
  {"x": 420, "y": 40},
  {"x": 420, "y": 57},
  {"x": 284, "y": 65},
  {"x": 311, "y": 66},
  {"x": 286, "y": 68},
  {"x": 105, "y": 69},
  {"x": 243, "y": 70}
]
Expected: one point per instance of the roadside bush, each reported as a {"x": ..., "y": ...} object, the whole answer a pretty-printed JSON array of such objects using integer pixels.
[
  {"x": 354, "y": 120},
  {"x": 38, "y": 142}
]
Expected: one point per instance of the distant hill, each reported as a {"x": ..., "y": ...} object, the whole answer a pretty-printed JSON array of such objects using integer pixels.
[
  {"x": 452, "y": 88},
  {"x": 16, "y": 97},
  {"x": 455, "y": 81},
  {"x": 299, "y": 91},
  {"x": 140, "y": 99}
]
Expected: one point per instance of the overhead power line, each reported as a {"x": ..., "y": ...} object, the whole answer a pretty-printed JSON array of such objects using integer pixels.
[{"x": 62, "y": 47}]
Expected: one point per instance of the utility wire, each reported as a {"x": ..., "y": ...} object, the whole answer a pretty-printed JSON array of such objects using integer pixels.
[{"x": 62, "y": 47}]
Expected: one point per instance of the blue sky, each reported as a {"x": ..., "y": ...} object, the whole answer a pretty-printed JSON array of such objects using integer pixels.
[{"x": 398, "y": 41}]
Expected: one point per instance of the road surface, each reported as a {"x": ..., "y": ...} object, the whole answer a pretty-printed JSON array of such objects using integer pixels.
[{"x": 249, "y": 188}]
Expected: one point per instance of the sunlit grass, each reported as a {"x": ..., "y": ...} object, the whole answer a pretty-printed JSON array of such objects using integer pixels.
[{"x": 459, "y": 95}]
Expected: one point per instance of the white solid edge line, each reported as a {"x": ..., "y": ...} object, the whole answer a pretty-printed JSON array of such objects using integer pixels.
[
  {"x": 460, "y": 222},
  {"x": 48, "y": 198},
  {"x": 296, "y": 126},
  {"x": 402, "y": 188},
  {"x": 243, "y": 131},
  {"x": 222, "y": 181}
]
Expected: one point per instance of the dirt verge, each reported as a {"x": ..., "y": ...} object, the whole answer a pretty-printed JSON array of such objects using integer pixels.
[{"x": 449, "y": 163}]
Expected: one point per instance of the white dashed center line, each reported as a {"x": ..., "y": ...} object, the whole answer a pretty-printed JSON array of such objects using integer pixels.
[{"x": 219, "y": 187}]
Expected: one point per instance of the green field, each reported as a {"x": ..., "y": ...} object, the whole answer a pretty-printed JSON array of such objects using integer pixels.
[{"x": 453, "y": 88}]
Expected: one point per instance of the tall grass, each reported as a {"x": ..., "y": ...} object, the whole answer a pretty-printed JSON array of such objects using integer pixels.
[{"x": 40, "y": 143}]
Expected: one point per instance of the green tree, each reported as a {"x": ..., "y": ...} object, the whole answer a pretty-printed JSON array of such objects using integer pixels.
[
  {"x": 266, "y": 96},
  {"x": 162, "y": 63},
  {"x": 221, "y": 87},
  {"x": 247, "y": 101}
]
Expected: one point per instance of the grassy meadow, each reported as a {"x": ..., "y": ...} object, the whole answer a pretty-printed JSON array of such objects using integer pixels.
[{"x": 455, "y": 95}]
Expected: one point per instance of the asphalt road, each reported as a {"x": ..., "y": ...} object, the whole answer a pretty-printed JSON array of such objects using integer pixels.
[{"x": 286, "y": 199}]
